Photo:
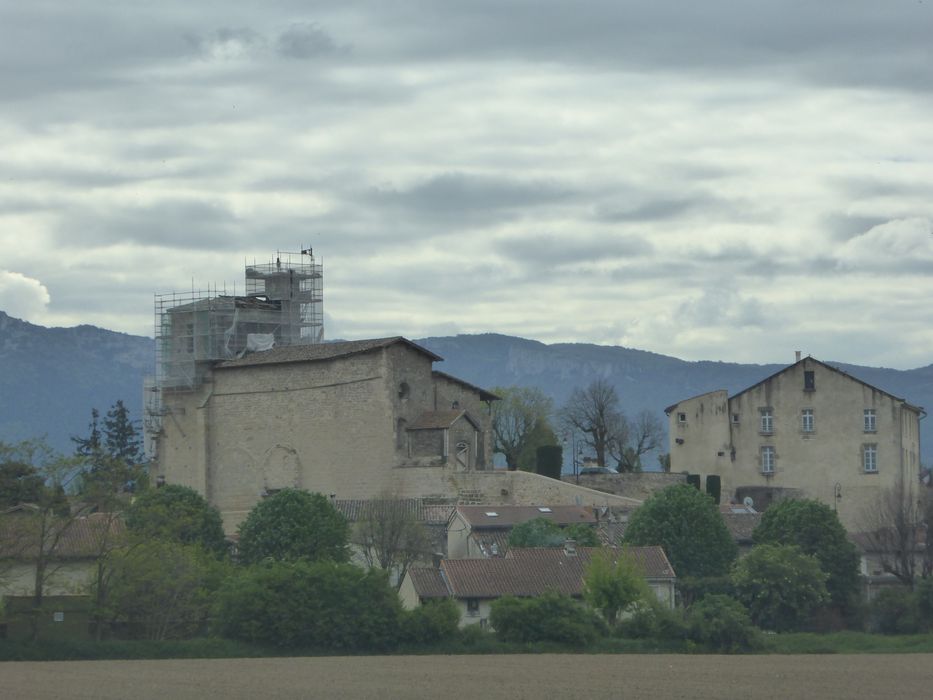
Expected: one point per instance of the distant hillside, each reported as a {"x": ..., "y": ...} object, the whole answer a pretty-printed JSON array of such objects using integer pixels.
[{"x": 50, "y": 378}]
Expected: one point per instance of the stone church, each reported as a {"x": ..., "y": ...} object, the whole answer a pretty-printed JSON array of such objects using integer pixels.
[{"x": 338, "y": 418}]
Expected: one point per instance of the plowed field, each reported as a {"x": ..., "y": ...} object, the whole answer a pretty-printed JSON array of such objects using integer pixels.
[{"x": 485, "y": 677}]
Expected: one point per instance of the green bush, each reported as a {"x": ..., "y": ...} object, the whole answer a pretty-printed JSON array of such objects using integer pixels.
[
  {"x": 721, "y": 623},
  {"x": 780, "y": 586},
  {"x": 551, "y": 617},
  {"x": 433, "y": 622},
  {"x": 895, "y": 611},
  {"x": 293, "y": 525},
  {"x": 319, "y": 605},
  {"x": 177, "y": 514},
  {"x": 924, "y": 593},
  {"x": 653, "y": 620},
  {"x": 688, "y": 525},
  {"x": 694, "y": 588}
]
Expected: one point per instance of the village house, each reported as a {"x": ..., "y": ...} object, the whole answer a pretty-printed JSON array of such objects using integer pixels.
[
  {"x": 809, "y": 431},
  {"x": 483, "y": 531},
  {"x": 475, "y": 584}
]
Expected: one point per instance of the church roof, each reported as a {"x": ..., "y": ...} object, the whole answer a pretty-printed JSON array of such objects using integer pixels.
[{"x": 319, "y": 352}]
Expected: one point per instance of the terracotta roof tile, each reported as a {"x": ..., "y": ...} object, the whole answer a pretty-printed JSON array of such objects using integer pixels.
[
  {"x": 531, "y": 572},
  {"x": 80, "y": 538},
  {"x": 428, "y": 582}
]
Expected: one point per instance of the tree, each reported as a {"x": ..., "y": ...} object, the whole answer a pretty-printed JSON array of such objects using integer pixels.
[
  {"x": 542, "y": 532},
  {"x": 175, "y": 513},
  {"x": 38, "y": 530},
  {"x": 687, "y": 524},
  {"x": 594, "y": 412},
  {"x": 614, "y": 586},
  {"x": 550, "y": 617},
  {"x": 321, "y": 605},
  {"x": 894, "y": 529},
  {"x": 515, "y": 418},
  {"x": 722, "y": 624},
  {"x": 160, "y": 589},
  {"x": 121, "y": 438},
  {"x": 543, "y": 435},
  {"x": 391, "y": 538},
  {"x": 632, "y": 439},
  {"x": 294, "y": 525},
  {"x": 116, "y": 449},
  {"x": 780, "y": 586},
  {"x": 815, "y": 528},
  {"x": 19, "y": 483}
]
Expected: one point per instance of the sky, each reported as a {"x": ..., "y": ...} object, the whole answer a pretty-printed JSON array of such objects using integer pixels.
[{"x": 728, "y": 180}]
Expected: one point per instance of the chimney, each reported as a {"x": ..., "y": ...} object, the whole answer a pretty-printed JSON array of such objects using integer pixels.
[
  {"x": 570, "y": 548},
  {"x": 796, "y": 355}
]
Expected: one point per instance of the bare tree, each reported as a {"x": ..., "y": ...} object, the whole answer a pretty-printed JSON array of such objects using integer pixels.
[
  {"x": 516, "y": 417},
  {"x": 594, "y": 412},
  {"x": 634, "y": 438},
  {"x": 895, "y": 528},
  {"x": 391, "y": 537}
]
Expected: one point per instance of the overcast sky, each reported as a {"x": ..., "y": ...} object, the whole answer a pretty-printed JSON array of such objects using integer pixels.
[{"x": 731, "y": 179}]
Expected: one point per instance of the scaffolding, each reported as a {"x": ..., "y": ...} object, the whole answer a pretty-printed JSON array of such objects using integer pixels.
[{"x": 283, "y": 306}]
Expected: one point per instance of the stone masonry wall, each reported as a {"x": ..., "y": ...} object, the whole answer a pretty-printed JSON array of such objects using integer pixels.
[{"x": 641, "y": 485}]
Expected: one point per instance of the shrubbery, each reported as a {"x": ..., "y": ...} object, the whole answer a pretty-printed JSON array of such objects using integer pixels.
[
  {"x": 433, "y": 622},
  {"x": 310, "y": 605},
  {"x": 551, "y": 617},
  {"x": 721, "y": 623},
  {"x": 780, "y": 585}
]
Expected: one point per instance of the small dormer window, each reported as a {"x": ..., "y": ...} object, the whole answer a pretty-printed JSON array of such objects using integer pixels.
[{"x": 491, "y": 514}]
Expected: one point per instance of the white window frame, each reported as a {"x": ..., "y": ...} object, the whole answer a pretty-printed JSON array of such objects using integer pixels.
[
  {"x": 870, "y": 420},
  {"x": 768, "y": 458},
  {"x": 870, "y": 458},
  {"x": 766, "y": 422},
  {"x": 681, "y": 418},
  {"x": 807, "y": 422}
]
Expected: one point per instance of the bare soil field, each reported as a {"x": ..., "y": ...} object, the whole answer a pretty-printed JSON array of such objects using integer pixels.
[{"x": 511, "y": 677}]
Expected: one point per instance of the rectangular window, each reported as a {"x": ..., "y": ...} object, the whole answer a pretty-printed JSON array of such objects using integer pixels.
[
  {"x": 681, "y": 417},
  {"x": 809, "y": 381},
  {"x": 767, "y": 420},
  {"x": 869, "y": 418},
  {"x": 806, "y": 420},
  {"x": 870, "y": 458},
  {"x": 767, "y": 460},
  {"x": 472, "y": 607},
  {"x": 735, "y": 418}
]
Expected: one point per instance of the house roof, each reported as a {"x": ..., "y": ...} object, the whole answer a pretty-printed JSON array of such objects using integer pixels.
[
  {"x": 440, "y": 420},
  {"x": 319, "y": 352},
  {"x": 509, "y": 516},
  {"x": 355, "y": 510},
  {"x": 483, "y": 394},
  {"x": 531, "y": 572},
  {"x": 918, "y": 409},
  {"x": 741, "y": 525},
  {"x": 832, "y": 369},
  {"x": 428, "y": 582},
  {"x": 80, "y": 538},
  {"x": 492, "y": 543}
]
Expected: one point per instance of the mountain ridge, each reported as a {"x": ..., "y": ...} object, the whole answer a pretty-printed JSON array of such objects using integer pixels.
[{"x": 57, "y": 375}]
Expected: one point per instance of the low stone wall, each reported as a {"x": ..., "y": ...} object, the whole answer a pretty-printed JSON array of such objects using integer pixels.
[
  {"x": 501, "y": 487},
  {"x": 639, "y": 486}
]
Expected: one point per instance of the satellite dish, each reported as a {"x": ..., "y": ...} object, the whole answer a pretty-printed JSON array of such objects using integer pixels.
[{"x": 748, "y": 503}]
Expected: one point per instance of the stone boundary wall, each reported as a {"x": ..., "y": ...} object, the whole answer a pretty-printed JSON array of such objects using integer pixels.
[
  {"x": 639, "y": 486},
  {"x": 501, "y": 488}
]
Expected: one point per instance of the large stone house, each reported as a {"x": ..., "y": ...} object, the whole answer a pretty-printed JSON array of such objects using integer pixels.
[
  {"x": 810, "y": 431},
  {"x": 475, "y": 584}
]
